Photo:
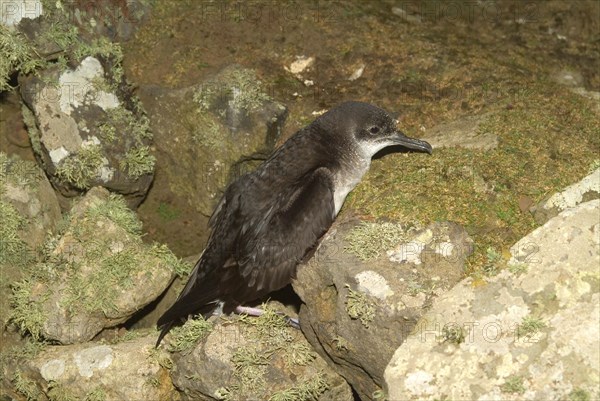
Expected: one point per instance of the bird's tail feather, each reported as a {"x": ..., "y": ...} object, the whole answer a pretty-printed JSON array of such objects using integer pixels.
[{"x": 199, "y": 296}]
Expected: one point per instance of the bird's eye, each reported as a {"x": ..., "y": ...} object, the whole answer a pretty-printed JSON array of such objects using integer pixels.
[{"x": 374, "y": 130}]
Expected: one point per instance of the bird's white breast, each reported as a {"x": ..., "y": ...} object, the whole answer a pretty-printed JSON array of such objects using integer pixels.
[{"x": 346, "y": 180}]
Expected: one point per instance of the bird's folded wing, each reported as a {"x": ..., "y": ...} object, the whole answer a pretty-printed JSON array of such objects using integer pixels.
[{"x": 270, "y": 249}]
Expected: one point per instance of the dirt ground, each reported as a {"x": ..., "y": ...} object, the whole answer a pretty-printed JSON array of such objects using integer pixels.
[
  {"x": 446, "y": 60},
  {"x": 429, "y": 62}
]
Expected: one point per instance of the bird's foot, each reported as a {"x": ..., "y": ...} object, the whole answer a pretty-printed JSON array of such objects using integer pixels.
[{"x": 247, "y": 310}]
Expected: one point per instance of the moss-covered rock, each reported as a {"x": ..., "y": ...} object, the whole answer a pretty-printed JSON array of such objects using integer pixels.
[
  {"x": 95, "y": 273},
  {"x": 250, "y": 358}
]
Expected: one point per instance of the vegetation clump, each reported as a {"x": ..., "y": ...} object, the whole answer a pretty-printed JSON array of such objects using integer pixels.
[
  {"x": 185, "y": 337},
  {"x": 368, "y": 240},
  {"x": 359, "y": 307},
  {"x": 514, "y": 385}
]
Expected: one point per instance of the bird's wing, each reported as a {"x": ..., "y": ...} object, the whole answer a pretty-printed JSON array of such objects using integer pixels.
[{"x": 272, "y": 244}]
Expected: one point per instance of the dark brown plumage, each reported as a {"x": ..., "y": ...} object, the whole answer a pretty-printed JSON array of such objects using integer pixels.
[{"x": 268, "y": 220}]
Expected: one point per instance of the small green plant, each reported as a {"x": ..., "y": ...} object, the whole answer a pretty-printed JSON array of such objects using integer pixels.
[
  {"x": 26, "y": 387},
  {"x": 179, "y": 267},
  {"x": 298, "y": 353},
  {"x": 359, "y": 307},
  {"x": 306, "y": 390},
  {"x": 513, "y": 385},
  {"x": 453, "y": 333},
  {"x": 138, "y": 161},
  {"x": 368, "y": 240},
  {"x": 518, "y": 268},
  {"x": 81, "y": 168},
  {"x": 97, "y": 394},
  {"x": 18, "y": 54},
  {"x": 167, "y": 212},
  {"x": 27, "y": 313},
  {"x": 341, "y": 344},
  {"x": 579, "y": 395},
  {"x": 161, "y": 358},
  {"x": 58, "y": 392},
  {"x": 184, "y": 338},
  {"x": 494, "y": 258},
  {"x": 379, "y": 395},
  {"x": 250, "y": 367},
  {"x": 529, "y": 326}
]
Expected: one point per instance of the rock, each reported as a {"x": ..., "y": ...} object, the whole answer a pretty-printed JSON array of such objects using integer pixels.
[
  {"x": 129, "y": 370},
  {"x": 13, "y": 12},
  {"x": 400, "y": 12},
  {"x": 25, "y": 187},
  {"x": 352, "y": 302},
  {"x": 357, "y": 72},
  {"x": 87, "y": 131},
  {"x": 586, "y": 189},
  {"x": 29, "y": 210},
  {"x": 462, "y": 133},
  {"x": 96, "y": 273},
  {"x": 253, "y": 358},
  {"x": 529, "y": 333},
  {"x": 209, "y": 134}
]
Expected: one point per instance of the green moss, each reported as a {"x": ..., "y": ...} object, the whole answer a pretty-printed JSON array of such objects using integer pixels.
[
  {"x": 97, "y": 394},
  {"x": 579, "y": 395},
  {"x": 161, "y": 358},
  {"x": 514, "y": 385},
  {"x": 250, "y": 367},
  {"x": 341, "y": 344},
  {"x": 368, "y": 240},
  {"x": 13, "y": 250},
  {"x": 184, "y": 338},
  {"x": 179, "y": 267},
  {"x": 494, "y": 262},
  {"x": 529, "y": 326},
  {"x": 18, "y": 54},
  {"x": 27, "y": 313},
  {"x": 240, "y": 87},
  {"x": 138, "y": 161},
  {"x": 26, "y": 387},
  {"x": 205, "y": 130},
  {"x": 379, "y": 395},
  {"x": 298, "y": 354},
  {"x": 271, "y": 327},
  {"x": 104, "y": 48},
  {"x": 17, "y": 355},
  {"x": 453, "y": 333},
  {"x": 359, "y": 307},
  {"x": 58, "y": 392},
  {"x": 116, "y": 210},
  {"x": 532, "y": 159},
  {"x": 167, "y": 213},
  {"x": 121, "y": 122},
  {"x": 310, "y": 389},
  {"x": 21, "y": 173},
  {"x": 79, "y": 169},
  {"x": 518, "y": 268}
]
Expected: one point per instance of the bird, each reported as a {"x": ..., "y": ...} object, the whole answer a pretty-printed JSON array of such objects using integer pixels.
[{"x": 269, "y": 219}]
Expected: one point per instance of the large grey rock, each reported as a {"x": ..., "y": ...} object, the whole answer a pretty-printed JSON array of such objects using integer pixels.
[
  {"x": 209, "y": 134},
  {"x": 586, "y": 189},
  {"x": 88, "y": 131},
  {"x": 129, "y": 370},
  {"x": 254, "y": 359},
  {"x": 96, "y": 273},
  {"x": 532, "y": 335},
  {"x": 355, "y": 312}
]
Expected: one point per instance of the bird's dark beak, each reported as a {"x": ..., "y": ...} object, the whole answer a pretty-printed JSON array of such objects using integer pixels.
[{"x": 411, "y": 143}]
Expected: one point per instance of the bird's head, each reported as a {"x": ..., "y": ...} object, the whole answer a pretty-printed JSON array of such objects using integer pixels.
[{"x": 369, "y": 127}]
